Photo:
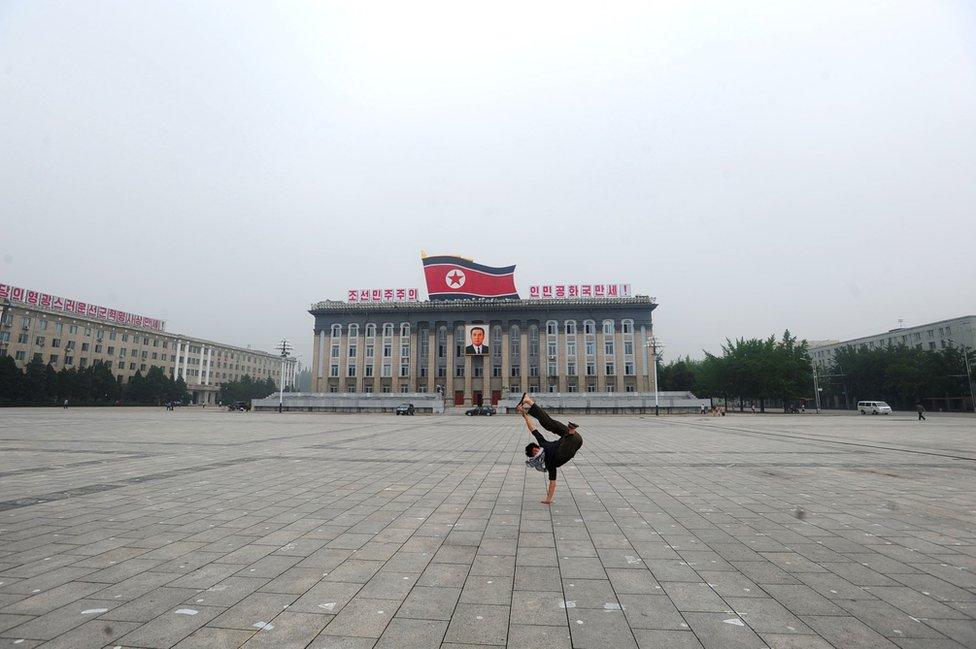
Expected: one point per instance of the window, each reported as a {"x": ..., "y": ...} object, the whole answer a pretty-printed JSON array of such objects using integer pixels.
[
  {"x": 610, "y": 387},
  {"x": 22, "y": 339},
  {"x": 111, "y": 336},
  {"x": 84, "y": 347},
  {"x": 515, "y": 370},
  {"x": 608, "y": 347},
  {"x": 58, "y": 328},
  {"x": 589, "y": 327},
  {"x": 591, "y": 369},
  {"x": 336, "y": 330},
  {"x": 551, "y": 368},
  {"x": 388, "y": 330},
  {"x": 55, "y": 342},
  {"x": 611, "y": 369},
  {"x": 20, "y": 355},
  {"x": 571, "y": 348},
  {"x": 69, "y": 360},
  {"x": 334, "y": 370},
  {"x": 932, "y": 345},
  {"x": 386, "y": 371},
  {"x": 88, "y": 331},
  {"x": 370, "y": 351},
  {"x": 572, "y": 387},
  {"x": 627, "y": 326},
  {"x": 83, "y": 363},
  {"x": 39, "y": 341},
  {"x": 351, "y": 370},
  {"x": 352, "y": 351},
  {"x": 631, "y": 388},
  {"x": 629, "y": 368},
  {"x": 371, "y": 330},
  {"x": 335, "y": 350},
  {"x": 43, "y": 325},
  {"x": 628, "y": 347},
  {"x": 73, "y": 329},
  {"x": 591, "y": 387},
  {"x": 354, "y": 331},
  {"x": 608, "y": 328},
  {"x": 98, "y": 349},
  {"x": 571, "y": 368},
  {"x": 590, "y": 348},
  {"x": 52, "y": 359},
  {"x": 387, "y": 350},
  {"x": 570, "y": 327},
  {"x": 125, "y": 337},
  {"x": 405, "y": 330},
  {"x": 110, "y": 351},
  {"x": 477, "y": 371},
  {"x": 25, "y": 323},
  {"x": 551, "y": 327},
  {"x": 404, "y": 389}
]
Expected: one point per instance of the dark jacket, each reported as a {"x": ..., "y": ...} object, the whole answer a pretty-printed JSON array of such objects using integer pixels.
[{"x": 550, "y": 448}]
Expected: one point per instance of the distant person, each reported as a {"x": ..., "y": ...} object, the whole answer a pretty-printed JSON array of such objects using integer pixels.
[
  {"x": 752, "y": 407},
  {"x": 65, "y": 404},
  {"x": 477, "y": 345},
  {"x": 921, "y": 412}
]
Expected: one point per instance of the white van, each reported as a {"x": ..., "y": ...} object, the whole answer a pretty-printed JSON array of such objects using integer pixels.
[{"x": 873, "y": 408}]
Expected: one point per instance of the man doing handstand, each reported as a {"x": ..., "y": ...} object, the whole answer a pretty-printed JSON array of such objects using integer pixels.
[{"x": 546, "y": 455}]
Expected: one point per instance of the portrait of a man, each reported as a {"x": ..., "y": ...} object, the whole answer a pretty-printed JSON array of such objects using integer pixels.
[{"x": 476, "y": 339}]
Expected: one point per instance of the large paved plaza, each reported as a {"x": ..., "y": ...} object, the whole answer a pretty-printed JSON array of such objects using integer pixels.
[{"x": 192, "y": 529}]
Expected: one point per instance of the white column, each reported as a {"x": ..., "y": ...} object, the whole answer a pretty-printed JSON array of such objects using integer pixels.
[
  {"x": 320, "y": 361},
  {"x": 209, "y": 363},
  {"x": 645, "y": 371},
  {"x": 176, "y": 368},
  {"x": 186, "y": 358},
  {"x": 200, "y": 364}
]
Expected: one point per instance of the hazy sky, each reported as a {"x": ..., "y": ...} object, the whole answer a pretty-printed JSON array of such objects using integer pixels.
[{"x": 755, "y": 166}]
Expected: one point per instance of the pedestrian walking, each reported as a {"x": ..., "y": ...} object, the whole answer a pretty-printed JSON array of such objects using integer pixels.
[
  {"x": 65, "y": 404},
  {"x": 921, "y": 411}
]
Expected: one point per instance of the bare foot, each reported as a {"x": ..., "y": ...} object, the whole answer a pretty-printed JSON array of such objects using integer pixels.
[
  {"x": 546, "y": 502},
  {"x": 527, "y": 401},
  {"x": 520, "y": 410}
]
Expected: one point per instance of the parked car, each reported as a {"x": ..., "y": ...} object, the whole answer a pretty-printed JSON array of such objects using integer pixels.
[
  {"x": 873, "y": 408},
  {"x": 481, "y": 410},
  {"x": 405, "y": 409},
  {"x": 240, "y": 406}
]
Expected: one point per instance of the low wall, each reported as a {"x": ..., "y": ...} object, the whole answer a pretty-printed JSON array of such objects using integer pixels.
[
  {"x": 613, "y": 402},
  {"x": 351, "y": 402}
]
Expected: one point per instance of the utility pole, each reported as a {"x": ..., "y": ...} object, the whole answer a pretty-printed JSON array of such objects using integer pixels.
[
  {"x": 969, "y": 372},
  {"x": 284, "y": 347}
]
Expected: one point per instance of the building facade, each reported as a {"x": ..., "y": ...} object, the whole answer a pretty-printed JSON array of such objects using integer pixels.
[
  {"x": 545, "y": 345},
  {"x": 956, "y": 332},
  {"x": 64, "y": 340}
]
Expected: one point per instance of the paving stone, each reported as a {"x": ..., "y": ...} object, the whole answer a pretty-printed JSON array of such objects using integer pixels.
[
  {"x": 324, "y": 641},
  {"x": 168, "y": 629},
  {"x": 430, "y": 603},
  {"x": 213, "y": 638},
  {"x": 653, "y": 639},
  {"x": 530, "y": 636},
  {"x": 363, "y": 617},
  {"x": 326, "y": 597},
  {"x": 479, "y": 624},
  {"x": 256, "y": 607},
  {"x": 847, "y": 632},
  {"x": 486, "y": 589},
  {"x": 715, "y": 632},
  {"x": 288, "y": 630},
  {"x": 652, "y": 612},
  {"x": 538, "y": 608},
  {"x": 592, "y": 628},
  {"x": 412, "y": 634}
]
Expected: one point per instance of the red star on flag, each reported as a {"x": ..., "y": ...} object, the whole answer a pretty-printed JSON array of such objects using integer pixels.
[{"x": 455, "y": 279}]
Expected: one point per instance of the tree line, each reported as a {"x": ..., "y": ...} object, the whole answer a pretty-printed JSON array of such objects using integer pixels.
[
  {"x": 247, "y": 389},
  {"x": 762, "y": 370},
  {"x": 39, "y": 384}
]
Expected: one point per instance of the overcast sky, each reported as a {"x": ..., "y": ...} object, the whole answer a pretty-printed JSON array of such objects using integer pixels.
[{"x": 755, "y": 166}]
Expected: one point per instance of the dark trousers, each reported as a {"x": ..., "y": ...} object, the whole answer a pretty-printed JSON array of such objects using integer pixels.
[
  {"x": 921, "y": 417},
  {"x": 569, "y": 442}
]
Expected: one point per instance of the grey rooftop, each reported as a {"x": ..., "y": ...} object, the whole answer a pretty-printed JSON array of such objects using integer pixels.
[{"x": 139, "y": 528}]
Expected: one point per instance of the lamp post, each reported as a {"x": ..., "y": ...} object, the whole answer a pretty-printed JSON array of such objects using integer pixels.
[
  {"x": 4, "y": 340},
  {"x": 816, "y": 387},
  {"x": 655, "y": 345},
  {"x": 969, "y": 373},
  {"x": 284, "y": 347}
]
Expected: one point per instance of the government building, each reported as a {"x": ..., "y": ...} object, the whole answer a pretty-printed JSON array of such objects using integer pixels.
[
  {"x": 34, "y": 324},
  {"x": 559, "y": 345}
]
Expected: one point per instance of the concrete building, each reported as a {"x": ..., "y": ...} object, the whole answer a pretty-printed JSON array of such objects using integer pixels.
[
  {"x": 66, "y": 340},
  {"x": 958, "y": 332},
  {"x": 569, "y": 345}
]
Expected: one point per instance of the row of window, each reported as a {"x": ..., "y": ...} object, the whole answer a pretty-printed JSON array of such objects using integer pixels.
[{"x": 589, "y": 327}]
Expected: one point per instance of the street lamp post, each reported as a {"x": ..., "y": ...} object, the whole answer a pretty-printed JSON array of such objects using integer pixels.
[
  {"x": 284, "y": 347},
  {"x": 816, "y": 388},
  {"x": 655, "y": 345},
  {"x": 969, "y": 373}
]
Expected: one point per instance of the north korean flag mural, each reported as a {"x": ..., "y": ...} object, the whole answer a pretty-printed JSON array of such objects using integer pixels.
[{"x": 455, "y": 278}]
